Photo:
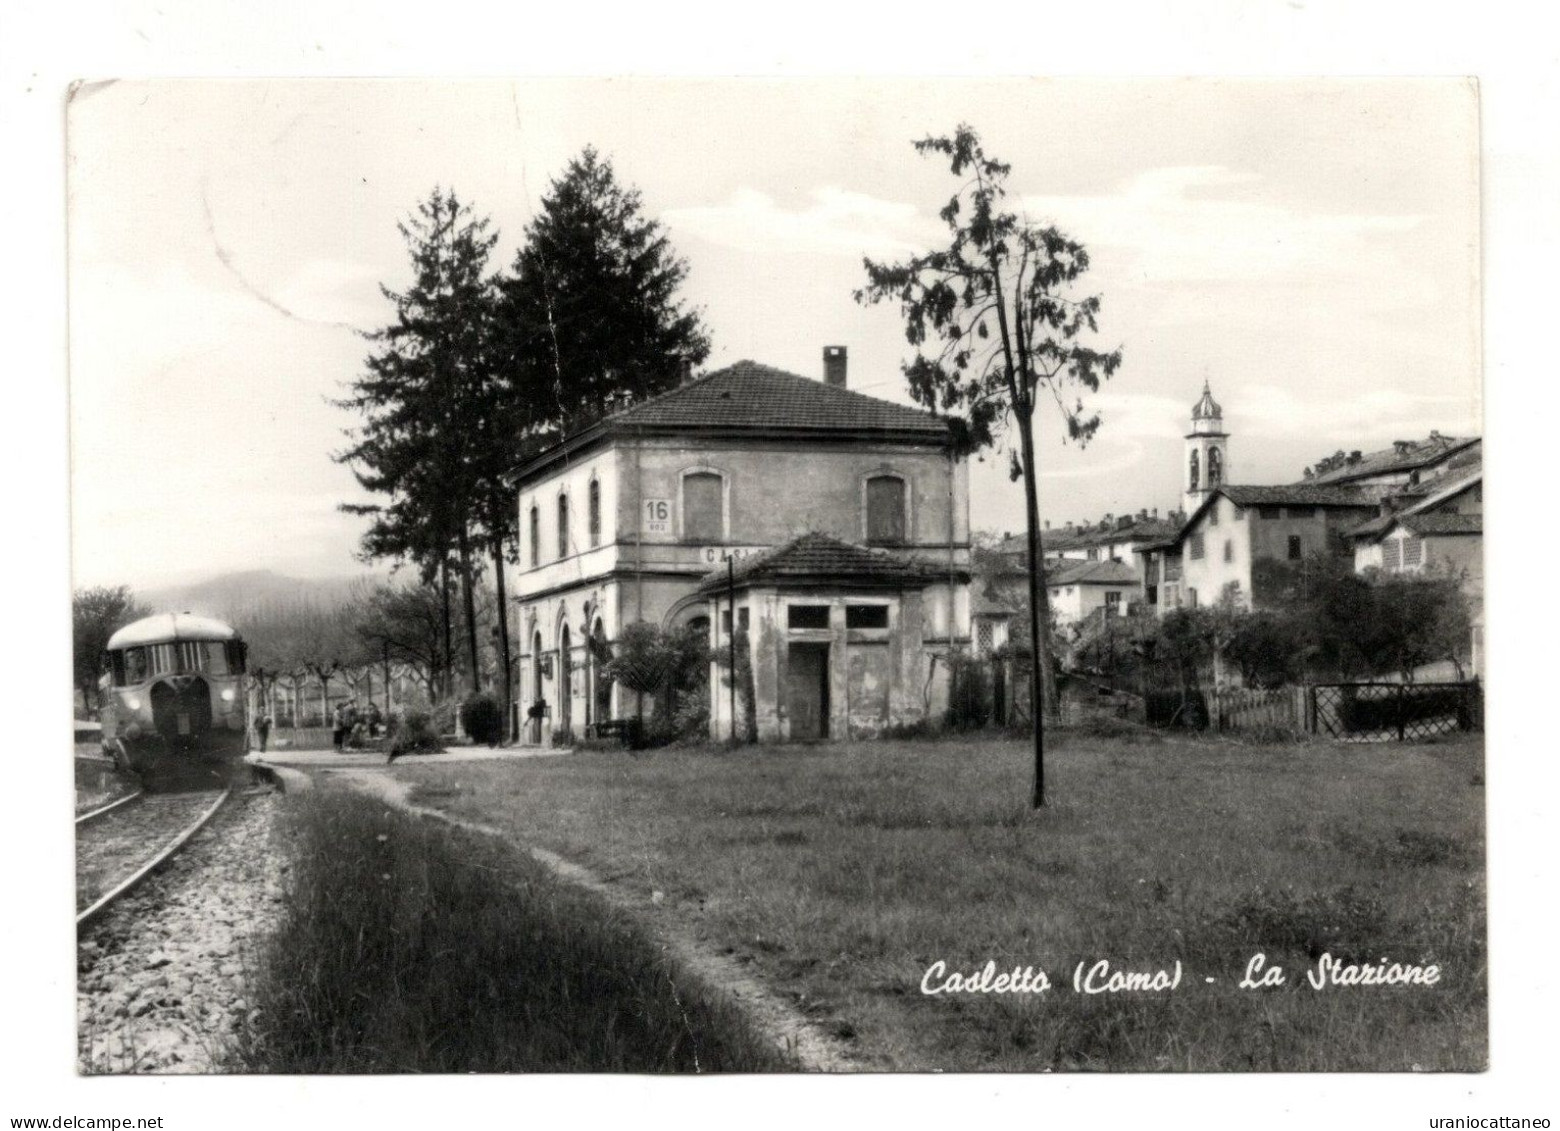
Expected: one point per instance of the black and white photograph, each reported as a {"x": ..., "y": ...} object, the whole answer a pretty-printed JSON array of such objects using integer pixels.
[{"x": 780, "y": 576}]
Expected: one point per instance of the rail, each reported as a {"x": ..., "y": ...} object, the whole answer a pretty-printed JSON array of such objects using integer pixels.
[
  {"x": 157, "y": 860},
  {"x": 109, "y": 808}
]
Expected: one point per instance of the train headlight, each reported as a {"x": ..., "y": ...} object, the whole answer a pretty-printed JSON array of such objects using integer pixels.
[
  {"x": 133, "y": 703},
  {"x": 227, "y": 695}
]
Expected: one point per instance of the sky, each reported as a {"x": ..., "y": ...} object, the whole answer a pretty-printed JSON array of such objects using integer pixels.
[{"x": 1308, "y": 247}]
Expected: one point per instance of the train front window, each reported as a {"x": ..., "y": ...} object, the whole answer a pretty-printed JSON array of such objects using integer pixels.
[
  {"x": 135, "y": 665},
  {"x": 216, "y": 658}
]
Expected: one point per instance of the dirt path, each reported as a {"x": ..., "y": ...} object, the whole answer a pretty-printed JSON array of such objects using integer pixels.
[{"x": 816, "y": 1050}]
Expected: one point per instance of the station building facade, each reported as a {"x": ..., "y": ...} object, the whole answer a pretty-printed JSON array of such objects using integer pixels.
[{"x": 624, "y": 521}]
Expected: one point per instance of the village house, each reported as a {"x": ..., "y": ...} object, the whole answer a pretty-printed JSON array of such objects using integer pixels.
[
  {"x": 1232, "y": 532},
  {"x": 846, "y": 519}
]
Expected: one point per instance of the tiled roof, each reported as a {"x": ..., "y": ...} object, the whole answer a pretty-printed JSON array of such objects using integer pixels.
[
  {"x": 1299, "y": 495},
  {"x": 1392, "y": 459},
  {"x": 818, "y": 557},
  {"x": 1091, "y": 573},
  {"x": 750, "y": 395},
  {"x": 1443, "y": 523}
]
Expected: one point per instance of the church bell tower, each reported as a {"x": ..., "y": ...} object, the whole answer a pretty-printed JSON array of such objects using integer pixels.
[{"x": 1207, "y": 453}]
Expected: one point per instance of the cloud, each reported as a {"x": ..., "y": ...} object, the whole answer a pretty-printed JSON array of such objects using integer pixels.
[
  {"x": 836, "y": 222},
  {"x": 1180, "y": 225},
  {"x": 1270, "y": 410}
]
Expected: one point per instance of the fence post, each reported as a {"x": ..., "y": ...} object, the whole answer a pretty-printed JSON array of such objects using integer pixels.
[{"x": 1402, "y": 687}]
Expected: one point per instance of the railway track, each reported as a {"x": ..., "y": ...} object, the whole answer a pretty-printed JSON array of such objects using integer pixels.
[{"x": 121, "y": 844}]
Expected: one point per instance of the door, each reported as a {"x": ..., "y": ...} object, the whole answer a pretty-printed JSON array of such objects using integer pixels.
[{"x": 807, "y": 691}]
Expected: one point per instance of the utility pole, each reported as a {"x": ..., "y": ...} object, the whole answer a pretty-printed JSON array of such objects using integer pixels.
[{"x": 731, "y": 606}]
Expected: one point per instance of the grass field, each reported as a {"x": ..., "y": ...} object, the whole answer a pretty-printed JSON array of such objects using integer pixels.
[
  {"x": 843, "y": 872},
  {"x": 411, "y": 946}
]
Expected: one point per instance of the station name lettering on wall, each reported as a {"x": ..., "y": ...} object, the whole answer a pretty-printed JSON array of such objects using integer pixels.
[{"x": 714, "y": 554}]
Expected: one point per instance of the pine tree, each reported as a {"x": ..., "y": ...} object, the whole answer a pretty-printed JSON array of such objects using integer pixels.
[
  {"x": 424, "y": 401},
  {"x": 590, "y": 308}
]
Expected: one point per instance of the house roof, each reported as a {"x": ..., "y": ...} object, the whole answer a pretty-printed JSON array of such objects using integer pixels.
[
  {"x": 1403, "y": 456},
  {"x": 1427, "y": 497},
  {"x": 1092, "y": 573},
  {"x": 1432, "y": 523},
  {"x": 1296, "y": 495},
  {"x": 815, "y": 557},
  {"x": 751, "y": 398},
  {"x": 1082, "y": 537}
]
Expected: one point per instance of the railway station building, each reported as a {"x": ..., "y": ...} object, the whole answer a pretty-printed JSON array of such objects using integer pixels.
[{"x": 845, "y": 522}]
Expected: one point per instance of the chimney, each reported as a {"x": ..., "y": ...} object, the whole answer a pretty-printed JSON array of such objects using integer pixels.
[
  {"x": 1123, "y": 522},
  {"x": 1142, "y": 513},
  {"x": 1155, "y": 512},
  {"x": 834, "y": 365},
  {"x": 1355, "y": 456},
  {"x": 686, "y": 367}
]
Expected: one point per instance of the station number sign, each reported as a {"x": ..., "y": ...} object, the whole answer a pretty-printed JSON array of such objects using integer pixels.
[{"x": 657, "y": 516}]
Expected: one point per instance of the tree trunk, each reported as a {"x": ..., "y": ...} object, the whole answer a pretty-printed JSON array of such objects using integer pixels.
[
  {"x": 448, "y": 681},
  {"x": 470, "y": 603},
  {"x": 503, "y": 632},
  {"x": 1042, "y": 684}
]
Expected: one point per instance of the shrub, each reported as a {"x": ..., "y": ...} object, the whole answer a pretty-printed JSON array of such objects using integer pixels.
[
  {"x": 969, "y": 694},
  {"x": 691, "y": 720},
  {"x": 482, "y": 717},
  {"x": 413, "y": 732}
]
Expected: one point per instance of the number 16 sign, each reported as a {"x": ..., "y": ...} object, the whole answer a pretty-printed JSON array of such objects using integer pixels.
[{"x": 658, "y": 516}]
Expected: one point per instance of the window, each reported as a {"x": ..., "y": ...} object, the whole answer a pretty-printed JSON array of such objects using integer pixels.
[
  {"x": 1112, "y": 601},
  {"x": 703, "y": 492},
  {"x": 1191, "y": 598},
  {"x": 536, "y": 536},
  {"x": 885, "y": 509},
  {"x": 1413, "y": 552},
  {"x": 1237, "y": 513},
  {"x": 1302, "y": 512},
  {"x": 1270, "y": 512},
  {"x": 1192, "y": 478},
  {"x": 1229, "y": 550},
  {"x": 725, "y": 620},
  {"x": 1194, "y": 547},
  {"x": 983, "y": 636},
  {"x": 1296, "y": 550},
  {"x": 136, "y": 667},
  {"x": 807, "y": 616},
  {"x": 1213, "y": 511},
  {"x": 866, "y": 616},
  {"x": 1392, "y": 554},
  {"x": 595, "y": 512},
  {"x": 1094, "y": 554},
  {"x": 563, "y": 526},
  {"x": 1215, "y": 467}
]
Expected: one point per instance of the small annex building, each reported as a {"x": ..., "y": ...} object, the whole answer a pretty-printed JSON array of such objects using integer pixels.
[
  {"x": 834, "y": 638},
  {"x": 624, "y": 520}
]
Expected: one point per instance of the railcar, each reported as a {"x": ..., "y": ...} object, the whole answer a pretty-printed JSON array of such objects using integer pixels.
[{"x": 176, "y": 702}]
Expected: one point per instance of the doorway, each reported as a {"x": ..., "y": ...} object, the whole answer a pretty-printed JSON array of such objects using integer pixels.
[{"x": 807, "y": 691}]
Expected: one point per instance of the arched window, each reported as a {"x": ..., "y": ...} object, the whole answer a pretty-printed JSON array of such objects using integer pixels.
[
  {"x": 702, "y": 506},
  {"x": 1192, "y": 479},
  {"x": 595, "y": 512},
  {"x": 536, "y": 536},
  {"x": 1215, "y": 467},
  {"x": 563, "y": 526},
  {"x": 885, "y": 509}
]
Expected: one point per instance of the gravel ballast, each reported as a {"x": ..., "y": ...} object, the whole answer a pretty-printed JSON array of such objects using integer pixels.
[{"x": 161, "y": 978}]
